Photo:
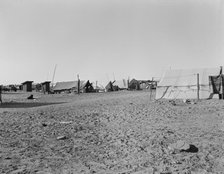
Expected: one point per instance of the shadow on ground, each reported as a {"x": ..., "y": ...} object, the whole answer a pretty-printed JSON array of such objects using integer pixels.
[{"x": 25, "y": 104}]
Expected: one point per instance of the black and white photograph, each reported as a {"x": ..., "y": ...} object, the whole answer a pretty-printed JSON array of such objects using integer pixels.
[{"x": 112, "y": 87}]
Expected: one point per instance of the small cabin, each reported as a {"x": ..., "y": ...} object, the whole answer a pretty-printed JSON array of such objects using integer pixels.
[
  {"x": 46, "y": 87},
  {"x": 134, "y": 84},
  {"x": 27, "y": 86}
]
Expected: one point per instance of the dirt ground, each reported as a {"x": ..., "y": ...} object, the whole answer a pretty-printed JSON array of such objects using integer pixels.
[{"x": 109, "y": 133}]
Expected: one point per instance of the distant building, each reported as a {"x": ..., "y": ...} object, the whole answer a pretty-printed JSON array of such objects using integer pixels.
[
  {"x": 121, "y": 84},
  {"x": 72, "y": 86},
  {"x": 27, "y": 86},
  {"x": 134, "y": 84},
  {"x": 38, "y": 87},
  {"x": 142, "y": 84},
  {"x": 117, "y": 85},
  {"x": 46, "y": 86}
]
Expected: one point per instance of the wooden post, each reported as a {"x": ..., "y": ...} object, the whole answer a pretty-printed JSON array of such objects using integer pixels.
[
  {"x": 198, "y": 86},
  {"x": 78, "y": 84},
  {"x": 150, "y": 88},
  {"x": 1, "y": 94},
  {"x": 222, "y": 88},
  {"x": 128, "y": 83},
  {"x": 152, "y": 84}
]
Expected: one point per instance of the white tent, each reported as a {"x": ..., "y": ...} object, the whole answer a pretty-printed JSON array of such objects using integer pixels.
[
  {"x": 122, "y": 84},
  {"x": 182, "y": 84}
]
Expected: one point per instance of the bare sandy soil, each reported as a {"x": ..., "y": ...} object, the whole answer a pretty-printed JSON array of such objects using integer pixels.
[{"x": 109, "y": 133}]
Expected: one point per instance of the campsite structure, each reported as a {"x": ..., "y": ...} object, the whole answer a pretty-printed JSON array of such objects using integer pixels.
[
  {"x": 117, "y": 85},
  {"x": 148, "y": 84},
  {"x": 1, "y": 94},
  {"x": 134, "y": 85},
  {"x": 86, "y": 87},
  {"x": 217, "y": 84},
  {"x": 121, "y": 84},
  {"x": 27, "y": 86},
  {"x": 109, "y": 87},
  {"x": 141, "y": 84},
  {"x": 45, "y": 87},
  {"x": 72, "y": 86},
  {"x": 98, "y": 87},
  {"x": 186, "y": 84}
]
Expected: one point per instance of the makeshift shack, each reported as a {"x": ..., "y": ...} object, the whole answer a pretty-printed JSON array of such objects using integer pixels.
[
  {"x": 45, "y": 87},
  {"x": 134, "y": 85},
  {"x": 217, "y": 85},
  {"x": 27, "y": 86}
]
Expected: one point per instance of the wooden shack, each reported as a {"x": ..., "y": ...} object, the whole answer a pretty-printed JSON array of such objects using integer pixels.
[
  {"x": 46, "y": 87},
  {"x": 134, "y": 84},
  {"x": 27, "y": 86}
]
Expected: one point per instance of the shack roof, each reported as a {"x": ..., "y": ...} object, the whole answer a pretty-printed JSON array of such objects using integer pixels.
[
  {"x": 27, "y": 82},
  {"x": 68, "y": 85},
  {"x": 46, "y": 82}
]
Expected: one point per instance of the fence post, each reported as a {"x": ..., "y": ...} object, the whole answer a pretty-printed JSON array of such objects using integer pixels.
[
  {"x": 78, "y": 84},
  {"x": 128, "y": 83},
  {"x": 198, "y": 86},
  {"x": 222, "y": 88},
  {"x": 150, "y": 88}
]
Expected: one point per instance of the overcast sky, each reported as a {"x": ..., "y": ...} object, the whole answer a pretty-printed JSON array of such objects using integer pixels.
[{"x": 103, "y": 39}]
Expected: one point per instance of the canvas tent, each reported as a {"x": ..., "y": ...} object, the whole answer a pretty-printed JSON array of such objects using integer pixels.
[
  {"x": 182, "y": 84},
  {"x": 109, "y": 87},
  {"x": 98, "y": 87},
  {"x": 86, "y": 87},
  {"x": 121, "y": 84},
  {"x": 69, "y": 86},
  {"x": 117, "y": 85}
]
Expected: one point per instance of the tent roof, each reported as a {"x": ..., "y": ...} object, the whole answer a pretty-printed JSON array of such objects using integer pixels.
[
  {"x": 99, "y": 87},
  {"x": 187, "y": 77},
  {"x": 109, "y": 85},
  {"x": 121, "y": 83},
  {"x": 182, "y": 84},
  {"x": 45, "y": 82}
]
